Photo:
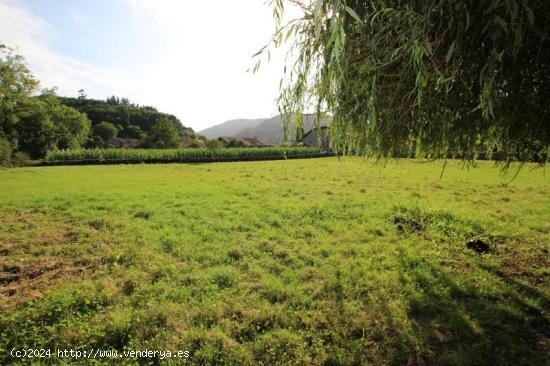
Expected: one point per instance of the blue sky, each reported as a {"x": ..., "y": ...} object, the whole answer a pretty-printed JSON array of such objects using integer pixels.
[
  {"x": 188, "y": 58},
  {"x": 95, "y": 31}
]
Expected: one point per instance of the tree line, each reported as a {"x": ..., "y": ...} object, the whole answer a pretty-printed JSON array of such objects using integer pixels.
[
  {"x": 119, "y": 117},
  {"x": 34, "y": 121}
]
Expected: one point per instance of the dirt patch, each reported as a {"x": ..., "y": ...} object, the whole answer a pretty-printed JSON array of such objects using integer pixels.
[
  {"x": 143, "y": 215},
  {"x": 22, "y": 282},
  {"x": 100, "y": 225},
  {"x": 527, "y": 264},
  {"x": 408, "y": 220},
  {"x": 478, "y": 246},
  {"x": 25, "y": 229},
  {"x": 7, "y": 278},
  {"x": 404, "y": 225},
  {"x": 12, "y": 273},
  {"x": 33, "y": 253}
]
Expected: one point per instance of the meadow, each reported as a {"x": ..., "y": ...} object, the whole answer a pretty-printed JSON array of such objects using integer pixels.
[{"x": 315, "y": 261}]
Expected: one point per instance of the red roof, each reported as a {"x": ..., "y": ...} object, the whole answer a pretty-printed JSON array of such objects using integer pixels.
[
  {"x": 186, "y": 141},
  {"x": 126, "y": 142},
  {"x": 256, "y": 142}
]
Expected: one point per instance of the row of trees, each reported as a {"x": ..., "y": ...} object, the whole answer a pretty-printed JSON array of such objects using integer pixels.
[
  {"x": 131, "y": 120},
  {"x": 163, "y": 134},
  {"x": 34, "y": 121}
]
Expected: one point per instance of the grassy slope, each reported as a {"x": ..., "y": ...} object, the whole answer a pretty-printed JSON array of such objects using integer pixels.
[{"x": 308, "y": 261}]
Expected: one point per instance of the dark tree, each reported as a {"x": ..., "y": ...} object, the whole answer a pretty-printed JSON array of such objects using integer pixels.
[
  {"x": 82, "y": 94},
  {"x": 36, "y": 131},
  {"x": 132, "y": 132},
  {"x": 163, "y": 135},
  {"x": 5, "y": 152},
  {"x": 105, "y": 130},
  {"x": 213, "y": 144},
  {"x": 235, "y": 143}
]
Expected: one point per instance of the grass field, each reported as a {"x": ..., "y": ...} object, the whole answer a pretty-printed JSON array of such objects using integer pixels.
[{"x": 280, "y": 262}]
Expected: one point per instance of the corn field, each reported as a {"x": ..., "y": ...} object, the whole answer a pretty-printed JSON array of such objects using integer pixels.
[{"x": 103, "y": 156}]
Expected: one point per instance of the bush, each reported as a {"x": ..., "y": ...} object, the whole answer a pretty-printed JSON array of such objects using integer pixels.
[
  {"x": 21, "y": 159},
  {"x": 190, "y": 155},
  {"x": 94, "y": 142},
  {"x": 5, "y": 152},
  {"x": 163, "y": 135},
  {"x": 197, "y": 143},
  {"x": 105, "y": 130},
  {"x": 236, "y": 143},
  {"x": 213, "y": 145}
]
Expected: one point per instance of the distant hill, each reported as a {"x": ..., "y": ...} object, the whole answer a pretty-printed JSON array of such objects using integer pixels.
[
  {"x": 130, "y": 119},
  {"x": 270, "y": 129},
  {"x": 230, "y": 128}
]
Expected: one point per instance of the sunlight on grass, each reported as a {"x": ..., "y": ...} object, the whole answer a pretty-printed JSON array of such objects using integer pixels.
[{"x": 290, "y": 262}]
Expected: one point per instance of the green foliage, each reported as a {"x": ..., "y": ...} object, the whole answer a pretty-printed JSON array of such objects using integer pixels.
[
  {"x": 94, "y": 142},
  {"x": 35, "y": 124},
  {"x": 277, "y": 262},
  {"x": 176, "y": 155},
  {"x": 456, "y": 77},
  {"x": 235, "y": 143},
  {"x": 163, "y": 135},
  {"x": 72, "y": 127},
  {"x": 21, "y": 159},
  {"x": 213, "y": 144},
  {"x": 132, "y": 132},
  {"x": 45, "y": 124},
  {"x": 120, "y": 111},
  {"x": 105, "y": 130},
  {"x": 197, "y": 143},
  {"x": 17, "y": 84},
  {"x": 5, "y": 152},
  {"x": 36, "y": 131}
]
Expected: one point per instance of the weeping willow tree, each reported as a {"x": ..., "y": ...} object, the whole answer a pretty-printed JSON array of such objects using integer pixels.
[{"x": 454, "y": 77}]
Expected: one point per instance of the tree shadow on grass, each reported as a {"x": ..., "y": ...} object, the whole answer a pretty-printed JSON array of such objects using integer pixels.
[{"x": 457, "y": 324}]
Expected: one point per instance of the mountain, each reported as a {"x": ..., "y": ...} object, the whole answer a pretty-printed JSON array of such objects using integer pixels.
[
  {"x": 270, "y": 129},
  {"x": 230, "y": 128}
]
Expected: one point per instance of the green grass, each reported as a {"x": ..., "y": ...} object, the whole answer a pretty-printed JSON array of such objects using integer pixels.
[
  {"x": 188, "y": 155},
  {"x": 282, "y": 262}
]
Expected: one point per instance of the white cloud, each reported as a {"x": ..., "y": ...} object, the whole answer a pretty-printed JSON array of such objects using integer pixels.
[
  {"x": 31, "y": 35},
  {"x": 198, "y": 53},
  {"x": 207, "y": 49}
]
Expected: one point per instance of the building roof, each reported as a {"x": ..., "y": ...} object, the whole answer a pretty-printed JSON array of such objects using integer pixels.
[
  {"x": 247, "y": 141},
  {"x": 257, "y": 142},
  {"x": 125, "y": 142},
  {"x": 126, "y": 139},
  {"x": 186, "y": 141}
]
